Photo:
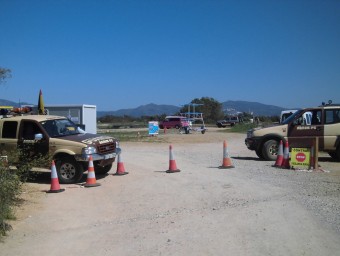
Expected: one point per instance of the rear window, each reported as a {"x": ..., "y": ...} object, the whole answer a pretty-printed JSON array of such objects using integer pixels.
[
  {"x": 9, "y": 130},
  {"x": 332, "y": 116}
]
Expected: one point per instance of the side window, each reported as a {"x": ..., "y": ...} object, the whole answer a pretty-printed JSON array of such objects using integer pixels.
[
  {"x": 332, "y": 116},
  {"x": 29, "y": 130},
  {"x": 9, "y": 129},
  {"x": 316, "y": 117},
  {"x": 299, "y": 120},
  {"x": 174, "y": 119},
  {"x": 309, "y": 119}
]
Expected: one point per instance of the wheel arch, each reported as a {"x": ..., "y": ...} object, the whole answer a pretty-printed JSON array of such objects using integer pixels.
[{"x": 62, "y": 154}]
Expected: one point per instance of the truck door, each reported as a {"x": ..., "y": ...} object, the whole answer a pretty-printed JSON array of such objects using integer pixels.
[
  {"x": 30, "y": 147},
  {"x": 9, "y": 140},
  {"x": 301, "y": 129}
]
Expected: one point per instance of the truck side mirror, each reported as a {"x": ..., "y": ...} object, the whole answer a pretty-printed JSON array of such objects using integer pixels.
[{"x": 38, "y": 136}]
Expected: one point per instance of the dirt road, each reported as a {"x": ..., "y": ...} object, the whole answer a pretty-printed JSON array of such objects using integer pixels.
[{"x": 252, "y": 209}]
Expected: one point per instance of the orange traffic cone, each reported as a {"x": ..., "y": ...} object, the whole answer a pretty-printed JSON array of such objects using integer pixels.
[
  {"x": 172, "y": 162},
  {"x": 120, "y": 167},
  {"x": 55, "y": 187},
  {"x": 91, "y": 177},
  {"x": 227, "y": 163},
  {"x": 279, "y": 158},
  {"x": 285, "y": 162}
]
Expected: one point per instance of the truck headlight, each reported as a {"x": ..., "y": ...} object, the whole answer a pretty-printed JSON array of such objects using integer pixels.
[
  {"x": 89, "y": 150},
  {"x": 250, "y": 133}
]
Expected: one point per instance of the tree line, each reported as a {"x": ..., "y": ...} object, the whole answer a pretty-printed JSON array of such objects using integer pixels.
[{"x": 211, "y": 109}]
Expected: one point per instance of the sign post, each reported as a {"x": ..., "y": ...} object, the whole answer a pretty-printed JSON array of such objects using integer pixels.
[
  {"x": 153, "y": 128},
  {"x": 304, "y": 152},
  {"x": 300, "y": 157}
]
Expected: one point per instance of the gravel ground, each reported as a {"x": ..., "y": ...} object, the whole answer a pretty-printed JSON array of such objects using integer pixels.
[{"x": 252, "y": 209}]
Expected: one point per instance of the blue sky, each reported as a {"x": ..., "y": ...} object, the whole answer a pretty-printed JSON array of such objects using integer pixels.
[{"x": 123, "y": 54}]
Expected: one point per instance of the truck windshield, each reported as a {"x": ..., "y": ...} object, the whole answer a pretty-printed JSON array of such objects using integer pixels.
[
  {"x": 291, "y": 117},
  {"x": 60, "y": 127}
]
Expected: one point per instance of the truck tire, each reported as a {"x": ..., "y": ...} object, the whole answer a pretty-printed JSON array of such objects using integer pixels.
[
  {"x": 69, "y": 170},
  {"x": 336, "y": 154},
  {"x": 102, "y": 169},
  {"x": 259, "y": 154},
  {"x": 269, "y": 150}
]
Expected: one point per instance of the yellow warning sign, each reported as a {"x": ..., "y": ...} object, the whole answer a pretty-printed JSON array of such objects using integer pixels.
[{"x": 300, "y": 157}]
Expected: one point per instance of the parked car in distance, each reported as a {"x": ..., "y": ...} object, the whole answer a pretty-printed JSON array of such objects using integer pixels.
[
  {"x": 174, "y": 122},
  {"x": 229, "y": 121}
]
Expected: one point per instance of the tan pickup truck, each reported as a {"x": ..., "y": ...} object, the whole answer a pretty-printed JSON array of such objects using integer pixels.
[
  {"x": 61, "y": 139},
  {"x": 324, "y": 124}
]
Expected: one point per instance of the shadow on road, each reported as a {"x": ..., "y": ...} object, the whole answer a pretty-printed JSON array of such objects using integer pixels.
[
  {"x": 247, "y": 158},
  {"x": 45, "y": 177}
]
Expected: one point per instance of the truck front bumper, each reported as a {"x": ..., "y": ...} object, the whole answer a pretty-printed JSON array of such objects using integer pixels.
[
  {"x": 98, "y": 157},
  {"x": 251, "y": 143}
]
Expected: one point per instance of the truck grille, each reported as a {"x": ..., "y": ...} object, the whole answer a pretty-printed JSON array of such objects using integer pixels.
[{"x": 106, "y": 148}]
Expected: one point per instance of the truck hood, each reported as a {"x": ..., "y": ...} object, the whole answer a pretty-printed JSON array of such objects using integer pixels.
[
  {"x": 89, "y": 139},
  {"x": 276, "y": 129}
]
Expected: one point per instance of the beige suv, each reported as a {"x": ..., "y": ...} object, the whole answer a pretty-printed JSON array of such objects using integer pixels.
[
  {"x": 325, "y": 124},
  {"x": 60, "y": 138}
]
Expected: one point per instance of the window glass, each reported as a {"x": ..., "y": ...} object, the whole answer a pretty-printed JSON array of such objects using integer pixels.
[
  {"x": 332, "y": 116},
  {"x": 9, "y": 129},
  {"x": 316, "y": 117},
  {"x": 29, "y": 130},
  {"x": 60, "y": 127}
]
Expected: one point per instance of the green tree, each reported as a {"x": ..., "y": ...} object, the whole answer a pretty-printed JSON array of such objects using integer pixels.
[
  {"x": 211, "y": 108},
  {"x": 4, "y": 74}
]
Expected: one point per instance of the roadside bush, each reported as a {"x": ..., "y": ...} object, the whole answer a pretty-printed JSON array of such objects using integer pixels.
[
  {"x": 242, "y": 127},
  {"x": 11, "y": 180},
  {"x": 10, "y": 188}
]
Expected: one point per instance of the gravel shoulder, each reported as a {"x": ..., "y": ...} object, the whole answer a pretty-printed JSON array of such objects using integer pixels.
[{"x": 252, "y": 209}]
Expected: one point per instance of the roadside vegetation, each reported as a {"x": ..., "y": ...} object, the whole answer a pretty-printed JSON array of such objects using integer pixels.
[
  {"x": 11, "y": 182},
  {"x": 10, "y": 188}
]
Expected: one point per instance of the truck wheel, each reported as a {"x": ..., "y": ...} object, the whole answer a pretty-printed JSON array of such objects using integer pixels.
[
  {"x": 259, "y": 153},
  {"x": 102, "y": 169},
  {"x": 269, "y": 150},
  {"x": 69, "y": 170},
  {"x": 335, "y": 155}
]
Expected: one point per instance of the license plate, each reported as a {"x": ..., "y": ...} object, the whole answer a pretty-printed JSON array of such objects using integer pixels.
[{"x": 108, "y": 156}]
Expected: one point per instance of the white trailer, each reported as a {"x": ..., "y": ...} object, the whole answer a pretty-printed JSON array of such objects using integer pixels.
[{"x": 84, "y": 115}]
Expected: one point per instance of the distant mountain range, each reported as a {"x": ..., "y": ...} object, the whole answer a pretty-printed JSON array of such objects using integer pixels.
[
  {"x": 144, "y": 110},
  {"x": 12, "y": 103},
  {"x": 229, "y": 107},
  {"x": 258, "y": 109}
]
